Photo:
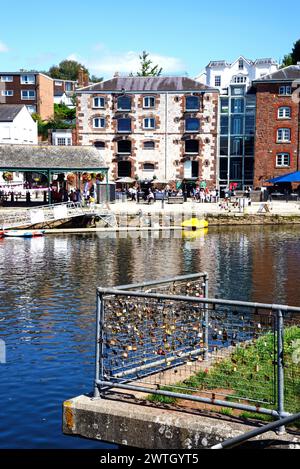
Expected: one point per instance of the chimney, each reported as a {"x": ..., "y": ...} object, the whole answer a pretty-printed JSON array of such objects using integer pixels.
[
  {"x": 116, "y": 75},
  {"x": 81, "y": 78}
]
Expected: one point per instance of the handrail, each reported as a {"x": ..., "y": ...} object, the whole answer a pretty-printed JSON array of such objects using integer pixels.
[{"x": 232, "y": 442}]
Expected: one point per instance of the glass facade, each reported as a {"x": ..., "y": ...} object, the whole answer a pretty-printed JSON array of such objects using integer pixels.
[{"x": 236, "y": 141}]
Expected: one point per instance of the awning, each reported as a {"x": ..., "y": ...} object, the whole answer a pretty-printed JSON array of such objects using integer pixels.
[{"x": 290, "y": 177}]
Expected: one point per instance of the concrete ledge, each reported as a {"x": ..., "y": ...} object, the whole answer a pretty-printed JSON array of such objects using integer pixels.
[{"x": 145, "y": 427}]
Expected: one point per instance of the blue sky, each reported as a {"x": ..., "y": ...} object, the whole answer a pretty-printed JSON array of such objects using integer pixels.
[{"x": 107, "y": 36}]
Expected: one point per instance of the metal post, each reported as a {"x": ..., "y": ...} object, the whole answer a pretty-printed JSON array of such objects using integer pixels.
[
  {"x": 99, "y": 344},
  {"x": 280, "y": 367},
  {"x": 206, "y": 319}
]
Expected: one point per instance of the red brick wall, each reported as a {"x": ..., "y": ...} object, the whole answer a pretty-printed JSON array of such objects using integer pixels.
[{"x": 267, "y": 124}]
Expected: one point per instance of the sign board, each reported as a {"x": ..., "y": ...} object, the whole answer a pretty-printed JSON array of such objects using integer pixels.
[
  {"x": 37, "y": 216},
  {"x": 59, "y": 212}
]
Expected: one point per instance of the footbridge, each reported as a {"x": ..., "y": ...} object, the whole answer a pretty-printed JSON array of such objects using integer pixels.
[{"x": 47, "y": 214}]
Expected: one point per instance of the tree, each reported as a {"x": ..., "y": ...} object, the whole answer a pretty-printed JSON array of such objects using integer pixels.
[
  {"x": 67, "y": 70},
  {"x": 95, "y": 79},
  {"x": 147, "y": 67},
  {"x": 296, "y": 52},
  {"x": 294, "y": 57}
]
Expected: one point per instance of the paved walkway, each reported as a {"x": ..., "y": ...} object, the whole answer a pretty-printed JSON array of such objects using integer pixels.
[{"x": 275, "y": 208}]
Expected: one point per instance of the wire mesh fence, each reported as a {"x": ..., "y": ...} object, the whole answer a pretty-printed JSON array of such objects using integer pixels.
[{"x": 176, "y": 342}]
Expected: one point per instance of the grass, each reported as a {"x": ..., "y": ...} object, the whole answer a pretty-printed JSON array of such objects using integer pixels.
[{"x": 249, "y": 372}]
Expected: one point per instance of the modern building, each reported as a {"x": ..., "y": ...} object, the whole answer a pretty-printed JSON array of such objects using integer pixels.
[
  {"x": 152, "y": 126},
  {"x": 237, "y": 108},
  {"x": 32, "y": 89},
  {"x": 63, "y": 91},
  {"x": 277, "y": 145},
  {"x": 17, "y": 125}
]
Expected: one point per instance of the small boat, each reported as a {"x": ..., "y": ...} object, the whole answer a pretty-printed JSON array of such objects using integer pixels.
[
  {"x": 194, "y": 224},
  {"x": 23, "y": 233}
]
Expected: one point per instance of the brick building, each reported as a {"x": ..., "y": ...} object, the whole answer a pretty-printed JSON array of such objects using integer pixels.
[
  {"x": 277, "y": 124},
  {"x": 151, "y": 126},
  {"x": 33, "y": 89}
]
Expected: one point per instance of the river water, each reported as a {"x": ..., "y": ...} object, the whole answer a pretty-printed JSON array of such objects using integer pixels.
[{"x": 47, "y": 307}]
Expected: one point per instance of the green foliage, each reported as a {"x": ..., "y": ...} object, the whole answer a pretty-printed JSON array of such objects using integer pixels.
[
  {"x": 293, "y": 57},
  {"x": 95, "y": 79},
  {"x": 249, "y": 372},
  {"x": 66, "y": 70},
  {"x": 63, "y": 112},
  {"x": 287, "y": 60},
  {"x": 147, "y": 67}
]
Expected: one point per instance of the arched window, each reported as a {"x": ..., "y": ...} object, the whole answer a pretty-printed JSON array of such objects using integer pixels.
[
  {"x": 148, "y": 167},
  {"x": 149, "y": 145},
  {"x": 99, "y": 145}
]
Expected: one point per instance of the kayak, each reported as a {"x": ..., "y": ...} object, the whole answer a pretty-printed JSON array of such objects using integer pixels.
[
  {"x": 23, "y": 233},
  {"x": 194, "y": 224}
]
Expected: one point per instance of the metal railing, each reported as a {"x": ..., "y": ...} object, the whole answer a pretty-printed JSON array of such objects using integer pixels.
[
  {"x": 169, "y": 339},
  {"x": 50, "y": 213}
]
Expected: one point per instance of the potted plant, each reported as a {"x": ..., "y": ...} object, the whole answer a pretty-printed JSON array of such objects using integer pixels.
[
  {"x": 7, "y": 176},
  {"x": 86, "y": 177}
]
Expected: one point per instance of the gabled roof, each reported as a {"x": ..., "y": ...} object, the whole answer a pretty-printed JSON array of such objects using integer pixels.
[
  {"x": 61, "y": 158},
  {"x": 147, "y": 84},
  {"x": 290, "y": 73},
  {"x": 8, "y": 112}
]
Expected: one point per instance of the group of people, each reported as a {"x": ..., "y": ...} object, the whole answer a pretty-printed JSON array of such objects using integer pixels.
[{"x": 87, "y": 197}]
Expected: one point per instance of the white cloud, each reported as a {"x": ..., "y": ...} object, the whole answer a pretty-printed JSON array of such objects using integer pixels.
[
  {"x": 3, "y": 47},
  {"x": 106, "y": 63},
  {"x": 129, "y": 62}
]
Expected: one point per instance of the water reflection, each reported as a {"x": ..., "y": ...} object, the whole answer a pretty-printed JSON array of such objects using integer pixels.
[{"x": 47, "y": 294}]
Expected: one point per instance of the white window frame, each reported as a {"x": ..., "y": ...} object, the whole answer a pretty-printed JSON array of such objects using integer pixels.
[
  {"x": 99, "y": 119},
  {"x": 149, "y": 98},
  {"x": 219, "y": 79},
  {"x": 28, "y": 98},
  {"x": 147, "y": 123},
  {"x": 94, "y": 102},
  {"x": 7, "y": 78},
  {"x": 28, "y": 80},
  {"x": 282, "y": 135},
  {"x": 58, "y": 83},
  {"x": 283, "y": 160},
  {"x": 283, "y": 110},
  {"x": 285, "y": 90},
  {"x": 7, "y": 93}
]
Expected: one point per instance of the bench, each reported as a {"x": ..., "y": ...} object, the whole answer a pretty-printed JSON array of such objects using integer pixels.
[{"x": 175, "y": 199}]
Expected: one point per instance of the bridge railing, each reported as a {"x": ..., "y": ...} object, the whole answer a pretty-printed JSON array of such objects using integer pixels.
[
  {"x": 180, "y": 344},
  {"x": 46, "y": 213}
]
